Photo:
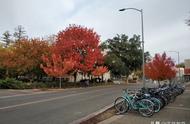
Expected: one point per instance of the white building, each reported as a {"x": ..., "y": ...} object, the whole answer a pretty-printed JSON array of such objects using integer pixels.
[
  {"x": 187, "y": 63},
  {"x": 106, "y": 76},
  {"x": 179, "y": 72}
]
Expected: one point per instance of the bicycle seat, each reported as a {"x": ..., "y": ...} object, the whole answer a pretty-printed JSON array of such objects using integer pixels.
[{"x": 147, "y": 95}]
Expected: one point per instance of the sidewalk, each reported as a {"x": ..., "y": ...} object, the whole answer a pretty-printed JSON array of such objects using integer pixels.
[{"x": 174, "y": 113}]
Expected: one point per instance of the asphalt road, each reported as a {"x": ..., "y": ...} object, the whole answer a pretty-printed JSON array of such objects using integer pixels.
[{"x": 54, "y": 107}]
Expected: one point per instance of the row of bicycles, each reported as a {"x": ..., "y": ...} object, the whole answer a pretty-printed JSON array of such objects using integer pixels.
[{"x": 148, "y": 101}]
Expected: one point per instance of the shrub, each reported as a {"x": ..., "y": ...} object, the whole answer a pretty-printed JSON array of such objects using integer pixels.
[
  {"x": 11, "y": 83},
  {"x": 39, "y": 85},
  {"x": 110, "y": 80},
  {"x": 132, "y": 81}
]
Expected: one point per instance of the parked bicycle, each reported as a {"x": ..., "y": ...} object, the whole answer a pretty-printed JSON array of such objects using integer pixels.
[
  {"x": 134, "y": 102},
  {"x": 148, "y": 100}
]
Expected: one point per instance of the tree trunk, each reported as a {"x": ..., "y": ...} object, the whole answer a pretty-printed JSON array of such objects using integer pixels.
[
  {"x": 7, "y": 73},
  {"x": 60, "y": 82},
  {"x": 75, "y": 77},
  {"x": 31, "y": 78},
  {"x": 98, "y": 79},
  {"x": 102, "y": 78},
  {"x": 91, "y": 79}
]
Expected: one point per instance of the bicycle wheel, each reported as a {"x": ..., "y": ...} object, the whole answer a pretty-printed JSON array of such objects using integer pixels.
[
  {"x": 161, "y": 101},
  {"x": 165, "y": 101},
  {"x": 157, "y": 104},
  {"x": 172, "y": 98},
  {"x": 121, "y": 105},
  {"x": 147, "y": 108}
]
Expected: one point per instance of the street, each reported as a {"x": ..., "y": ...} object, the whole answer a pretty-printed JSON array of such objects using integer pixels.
[
  {"x": 54, "y": 107},
  {"x": 65, "y": 106}
]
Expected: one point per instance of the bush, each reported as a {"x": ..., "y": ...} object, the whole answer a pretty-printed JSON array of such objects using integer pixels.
[
  {"x": 11, "y": 83},
  {"x": 132, "y": 81},
  {"x": 39, "y": 85},
  {"x": 110, "y": 80}
]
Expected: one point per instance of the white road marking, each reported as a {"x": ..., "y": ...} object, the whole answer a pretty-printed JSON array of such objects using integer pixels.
[
  {"x": 42, "y": 92},
  {"x": 46, "y": 100},
  {"x": 179, "y": 108}
]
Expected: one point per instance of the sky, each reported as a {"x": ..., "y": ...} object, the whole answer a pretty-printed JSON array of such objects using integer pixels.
[{"x": 164, "y": 20}]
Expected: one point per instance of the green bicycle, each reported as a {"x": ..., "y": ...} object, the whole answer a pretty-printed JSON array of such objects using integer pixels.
[{"x": 133, "y": 102}]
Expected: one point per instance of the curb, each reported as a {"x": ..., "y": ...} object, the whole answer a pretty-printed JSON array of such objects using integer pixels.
[
  {"x": 112, "y": 119},
  {"x": 84, "y": 120}
]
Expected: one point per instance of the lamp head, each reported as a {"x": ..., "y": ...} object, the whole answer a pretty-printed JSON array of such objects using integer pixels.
[{"x": 122, "y": 9}]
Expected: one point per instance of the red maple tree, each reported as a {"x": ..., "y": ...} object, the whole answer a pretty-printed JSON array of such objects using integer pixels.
[
  {"x": 82, "y": 46},
  {"x": 56, "y": 66},
  {"x": 100, "y": 71},
  {"x": 160, "y": 68}
]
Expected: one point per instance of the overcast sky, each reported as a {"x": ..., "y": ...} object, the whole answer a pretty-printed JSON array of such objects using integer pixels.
[{"x": 164, "y": 20}]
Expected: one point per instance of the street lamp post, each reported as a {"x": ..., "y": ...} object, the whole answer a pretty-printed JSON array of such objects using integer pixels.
[{"x": 142, "y": 29}]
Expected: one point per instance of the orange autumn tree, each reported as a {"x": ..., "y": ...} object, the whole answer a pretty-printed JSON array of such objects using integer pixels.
[
  {"x": 99, "y": 71},
  {"x": 27, "y": 56},
  {"x": 57, "y": 67},
  {"x": 24, "y": 58},
  {"x": 160, "y": 68},
  {"x": 7, "y": 61}
]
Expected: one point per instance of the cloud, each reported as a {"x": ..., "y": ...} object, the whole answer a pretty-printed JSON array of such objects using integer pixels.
[
  {"x": 164, "y": 21},
  {"x": 38, "y": 17}
]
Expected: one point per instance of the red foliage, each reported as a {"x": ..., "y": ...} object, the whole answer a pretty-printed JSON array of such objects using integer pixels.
[
  {"x": 187, "y": 71},
  {"x": 160, "y": 68},
  {"x": 81, "y": 45},
  {"x": 56, "y": 66},
  {"x": 100, "y": 71}
]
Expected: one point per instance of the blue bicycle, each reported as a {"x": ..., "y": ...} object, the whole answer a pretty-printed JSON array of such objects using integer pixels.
[
  {"x": 134, "y": 102},
  {"x": 143, "y": 93}
]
